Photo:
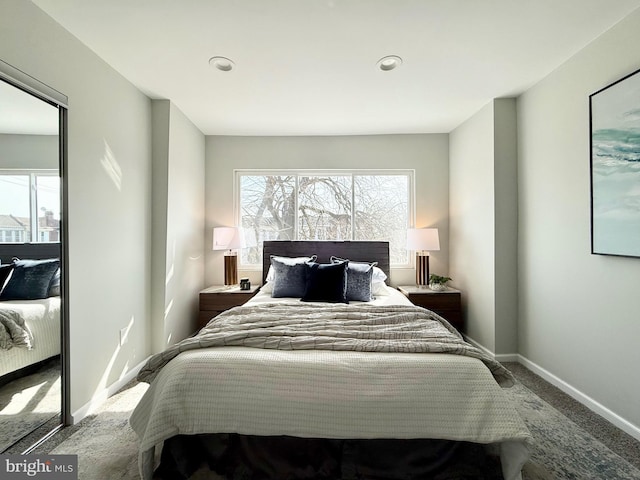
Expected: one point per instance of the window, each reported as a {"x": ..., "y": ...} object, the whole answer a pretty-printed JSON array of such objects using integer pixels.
[
  {"x": 29, "y": 206},
  {"x": 324, "y": 205}
]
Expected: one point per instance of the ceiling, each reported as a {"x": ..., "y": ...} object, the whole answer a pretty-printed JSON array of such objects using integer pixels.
[{"x": 308, "y": 67}]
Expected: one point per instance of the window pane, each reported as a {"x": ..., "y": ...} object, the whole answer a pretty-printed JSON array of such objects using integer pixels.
[
  {"x": 267, "y": 212},
  {"x": 48, "y": 205},
  {"x": 324, "y": 208},
  {"x": 382, "y": 212},
  {"x": 14, "y": 209}
]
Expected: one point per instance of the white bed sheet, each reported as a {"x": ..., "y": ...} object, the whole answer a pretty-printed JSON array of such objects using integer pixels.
[
  {"x": 393, "y": 297},
  {"x": 43, "y": 319}
]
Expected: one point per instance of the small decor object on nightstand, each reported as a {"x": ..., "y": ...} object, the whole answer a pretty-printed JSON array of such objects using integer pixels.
[{"x": 437, "y": 283}]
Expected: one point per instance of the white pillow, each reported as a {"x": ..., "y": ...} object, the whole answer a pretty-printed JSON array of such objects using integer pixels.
[
  {"x": 267, "y": 287},
  {"x": 378, "y": 275},
  {"x": 378, "y": 288}
]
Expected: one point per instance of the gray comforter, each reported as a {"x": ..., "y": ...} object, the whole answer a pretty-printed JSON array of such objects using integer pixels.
[
  {"x": 320, "y": 326},
  {"x": 13, "y": 331}
]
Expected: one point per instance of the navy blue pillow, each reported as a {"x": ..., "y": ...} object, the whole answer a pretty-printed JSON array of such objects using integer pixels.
[
  {"x": 326, "y": 283},
  {"x": 30, "y": 279}
]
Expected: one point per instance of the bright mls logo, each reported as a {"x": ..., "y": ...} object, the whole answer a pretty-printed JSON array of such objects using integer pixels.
[{"x": 52, "y": 467}]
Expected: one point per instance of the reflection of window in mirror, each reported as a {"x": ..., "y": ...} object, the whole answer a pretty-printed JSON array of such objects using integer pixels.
[{"x": 29, "y": 206}]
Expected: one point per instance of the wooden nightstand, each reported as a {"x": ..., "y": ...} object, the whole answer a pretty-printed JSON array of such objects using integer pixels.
[
  {"x": 445, "y": 303},
  {"x": 218, "y": 298}
]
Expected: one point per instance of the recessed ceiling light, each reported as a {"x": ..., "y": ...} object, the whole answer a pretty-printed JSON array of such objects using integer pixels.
[
  {"x": 222, "y": 63},
  {"x": 389, "y": 62}
]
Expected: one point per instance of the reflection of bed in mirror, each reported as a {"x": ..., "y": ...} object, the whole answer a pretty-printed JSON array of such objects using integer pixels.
[
  {"x": 36, "y": 321},
  {"x": 42, "y": 319},
  {"x": 30, "y": 342},
  {"x": 30, "y": 388}
]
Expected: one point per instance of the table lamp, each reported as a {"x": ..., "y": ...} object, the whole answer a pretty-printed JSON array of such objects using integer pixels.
[
  {"x": 228, "y": 238},
  {"x": 422, "y": 240}
]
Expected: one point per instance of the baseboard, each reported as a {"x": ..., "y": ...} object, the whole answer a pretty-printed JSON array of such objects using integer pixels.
[
  {"x": 587, "y": 401},
  {"x": 98, "y": 399},
  {"x": 574, "y": 393},
  {"x": 500, "y": 357},
  {"x": 506, "y": 357}
]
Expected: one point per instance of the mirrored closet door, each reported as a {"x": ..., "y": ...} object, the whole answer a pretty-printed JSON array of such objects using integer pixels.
[{"x": 32, "y": 260}]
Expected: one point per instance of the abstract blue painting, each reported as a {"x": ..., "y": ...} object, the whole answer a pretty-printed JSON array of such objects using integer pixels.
[{"x": 615, "y": 168}]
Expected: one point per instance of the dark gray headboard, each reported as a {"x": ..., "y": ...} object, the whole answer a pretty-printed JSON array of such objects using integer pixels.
[
  {"x": 28, "y": 251},
  {"x": 358, "y": 251}
]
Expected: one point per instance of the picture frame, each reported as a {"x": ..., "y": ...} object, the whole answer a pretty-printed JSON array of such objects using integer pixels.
[{"x": 614, "y": 124}]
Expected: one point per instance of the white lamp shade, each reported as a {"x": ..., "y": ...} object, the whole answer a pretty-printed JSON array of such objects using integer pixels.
[
  {"x": 421, "y": 239},
  {"x": 226, "y": 238}
]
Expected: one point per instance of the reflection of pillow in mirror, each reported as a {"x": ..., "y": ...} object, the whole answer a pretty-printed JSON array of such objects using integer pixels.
[
  {"x": 54, "y": 285},
  {"x": 30, "y": 279},
  {"x": 326, "y": 283},
  {"x": 5, "y": 271},
  {"x": 289, "y": 279}
]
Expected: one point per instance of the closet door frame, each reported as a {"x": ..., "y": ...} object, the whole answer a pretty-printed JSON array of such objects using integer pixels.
[{"x": 33, "y": 86}]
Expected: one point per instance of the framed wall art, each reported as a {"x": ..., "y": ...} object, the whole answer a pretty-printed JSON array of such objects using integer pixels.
[{"x": 615, "y": 168}]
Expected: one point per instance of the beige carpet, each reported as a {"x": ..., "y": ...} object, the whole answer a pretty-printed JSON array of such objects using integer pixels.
[{"x": 105, "y": 444}]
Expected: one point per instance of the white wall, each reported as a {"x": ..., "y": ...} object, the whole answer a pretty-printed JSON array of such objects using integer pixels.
[
  {"x": 427, "y": 154},
  {"x": 29, "y": 151},
  {"x": 178, "y": 224},
  {"x": 109, "y": 177},
  {"x": 579, "y": 313},
  {"x": 471, "y": 220},
  {"x": 506, "y": 226},
  {"x": 483, "y": 223}
]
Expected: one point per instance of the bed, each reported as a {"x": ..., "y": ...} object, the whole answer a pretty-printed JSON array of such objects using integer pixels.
[
  {"x": 321, "y": 382},
  {"x": 29, "y": 315}
]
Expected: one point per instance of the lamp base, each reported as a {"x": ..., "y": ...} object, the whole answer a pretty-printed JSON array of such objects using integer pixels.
[
  {"x": 230, "y": 269},
  {"x": 422, "y": 269}
]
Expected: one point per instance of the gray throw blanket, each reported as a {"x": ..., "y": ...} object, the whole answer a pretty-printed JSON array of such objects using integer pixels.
[
  {"x": 321, "y": 326},
  {"x": 13, "y": 331}
]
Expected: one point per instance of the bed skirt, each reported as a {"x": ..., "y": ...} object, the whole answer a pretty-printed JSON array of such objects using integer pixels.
[{"x": 251, "y": 457}]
